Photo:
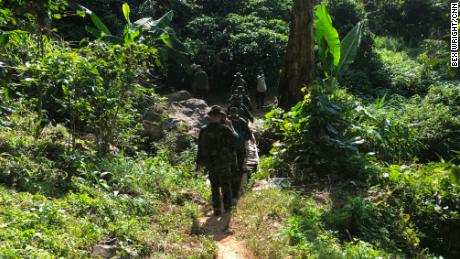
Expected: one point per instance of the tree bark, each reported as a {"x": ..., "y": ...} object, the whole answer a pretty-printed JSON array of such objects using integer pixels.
[{"x": 299, "y": 62}]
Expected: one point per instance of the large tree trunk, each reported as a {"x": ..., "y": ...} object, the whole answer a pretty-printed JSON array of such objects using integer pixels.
[{"x": 299, "y": 63}]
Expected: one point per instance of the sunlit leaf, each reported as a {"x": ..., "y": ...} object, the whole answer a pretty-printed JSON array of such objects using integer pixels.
[
  {"x": 325, "y": 31},
  {"x": 349, "y": 47},
  {"x": 96, "y": 21},
  {"x": 126, "y": 11}
]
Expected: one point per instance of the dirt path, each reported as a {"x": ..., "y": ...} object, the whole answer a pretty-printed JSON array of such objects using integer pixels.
[
  {"x": 221, "y": 229},
  {"x": 230, "y": 248}
]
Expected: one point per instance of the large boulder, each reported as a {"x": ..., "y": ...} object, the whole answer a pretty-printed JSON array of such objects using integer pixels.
[
  {"x": 179, "y": 96},
  {"x": 187, "y": 115},
  {"x": 190, "y": 114}
]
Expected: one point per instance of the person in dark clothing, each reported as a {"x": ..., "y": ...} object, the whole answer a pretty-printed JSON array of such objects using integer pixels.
[
  {"x": 241, "y": 127},
  {"x": 237, "y": 101},
  {"x": 217, "y": 145},
  {"x": 239, "y": 81},
  {"x": 246, "y": 100},
  {"x": 201, "y": 83}
]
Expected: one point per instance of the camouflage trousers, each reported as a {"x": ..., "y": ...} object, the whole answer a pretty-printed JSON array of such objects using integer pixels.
[{"x": 221, "y": 181}]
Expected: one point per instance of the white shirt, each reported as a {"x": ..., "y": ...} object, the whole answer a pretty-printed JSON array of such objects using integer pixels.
[{"x": 261, "y": 85}]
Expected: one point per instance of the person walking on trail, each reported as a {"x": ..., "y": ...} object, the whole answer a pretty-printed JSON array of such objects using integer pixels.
[
  {"x": 237, "y": 101},
  {"x": 261, "y": 90},
  {"x": 246, "y": 100},
  {"x": 242, "y": 128},
  {"x": 201, "y": 83},
  {"x": 217, "y": 144},
  {"x": 239, "y": 81}
]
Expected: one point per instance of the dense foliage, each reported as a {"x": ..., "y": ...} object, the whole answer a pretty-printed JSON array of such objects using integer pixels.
[
  {"x": 62, "y": 202},
  {"x": 373, "y": 136},
  {"x": 370, "y": 153}
]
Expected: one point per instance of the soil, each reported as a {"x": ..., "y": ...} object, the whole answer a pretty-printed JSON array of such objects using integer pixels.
[{"x": 222, "y": 231}]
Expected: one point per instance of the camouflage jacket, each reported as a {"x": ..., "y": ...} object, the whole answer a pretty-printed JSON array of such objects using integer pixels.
[
  {"x": 244, "y": 111},
  {"x": 217, "y": 144},
  {"x": 242, "y": 128},
  {"x": 239, "y": 82}
]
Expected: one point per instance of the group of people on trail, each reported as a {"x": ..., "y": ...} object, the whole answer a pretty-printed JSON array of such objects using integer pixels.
[
  {"x": 239, "y": 87},
  {"x": 222, "y": 147}
]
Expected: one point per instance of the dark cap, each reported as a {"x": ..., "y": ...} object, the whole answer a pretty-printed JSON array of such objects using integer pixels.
[{"x": 216, "y": 109}]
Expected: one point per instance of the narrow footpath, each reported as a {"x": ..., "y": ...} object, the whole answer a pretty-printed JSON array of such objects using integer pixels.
[{"x": 221, "y": 228}]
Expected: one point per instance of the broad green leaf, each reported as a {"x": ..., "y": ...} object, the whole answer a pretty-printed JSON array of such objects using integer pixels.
[
  {"x": 126, "y": 11},
  {"x": 65, "y": 89},
  {"x": 144, "y": 23},
  {"x": 325, "y": 30},
  {"x": 130, "y": 33},
  {"x": 165, "y": 39},
  {"x": 96, "y": 21},
  {"x": 149, "y": 24},
  {"x": 350, "y": 46},
  {"x": 93, "y": 31}
]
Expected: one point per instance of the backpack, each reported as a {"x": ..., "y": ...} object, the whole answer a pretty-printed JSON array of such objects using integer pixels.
[
  {"x": 215, "y": 146},
  {"x": 261, "y": 85}
]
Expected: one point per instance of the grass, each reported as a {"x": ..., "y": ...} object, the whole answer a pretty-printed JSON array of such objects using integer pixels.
[
  {"x": 144, "y": 224},
  {"x": 259, "y": 217},
  {"x": 276, "y": 223},
  {"x": 402, "y": 211},
  {"x": 60, "y": 203}
]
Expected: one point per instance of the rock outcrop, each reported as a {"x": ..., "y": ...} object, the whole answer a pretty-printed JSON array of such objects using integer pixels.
[
  {"x": 179, "y": 96},
  {"x": 188, "y": 115}
]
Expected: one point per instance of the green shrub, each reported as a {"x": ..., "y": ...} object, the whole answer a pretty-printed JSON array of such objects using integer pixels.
[
  {"x": 436, "y": 119},
  {"x": 249, "y": 42},
  {"x": 387, "y": 135},
  {"x": 402, "y": 18},
  {"x": 419, "y": 204},
  {"x": 346, "y": 14},
  {"x": 405, "y": 73},
  {"x": 317, "y": 134},
  {"x": 134, "y": 203},
  {"x": 361, "y": 219},
  {"x": 310, "y": 237},
  {"x": 32, "y": 164}
]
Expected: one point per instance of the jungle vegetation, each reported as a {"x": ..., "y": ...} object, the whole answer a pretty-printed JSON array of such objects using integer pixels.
[{"x": 366, "y": 137}]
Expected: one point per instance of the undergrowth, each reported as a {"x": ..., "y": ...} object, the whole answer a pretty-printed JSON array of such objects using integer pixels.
[
  {"x": 59, "y": 202},
  {"x": 403, "y": 211}
]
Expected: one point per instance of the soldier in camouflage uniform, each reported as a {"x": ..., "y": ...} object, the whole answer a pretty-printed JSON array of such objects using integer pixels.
[
  {"x": 237, "y": 101},
  {"x": 241, "y": 127},
  {"x": 239, "y": 81},
  {"x": 246, "y": 100},
  {"x": 217, "y": 144}
]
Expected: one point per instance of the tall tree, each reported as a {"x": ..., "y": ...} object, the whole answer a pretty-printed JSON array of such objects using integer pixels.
[{"x": 299, "y": 63}]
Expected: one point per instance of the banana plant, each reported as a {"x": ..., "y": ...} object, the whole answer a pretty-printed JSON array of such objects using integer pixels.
[
  {"x": 335, "y": 56},
  {"x": 167, "y": 44}
]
